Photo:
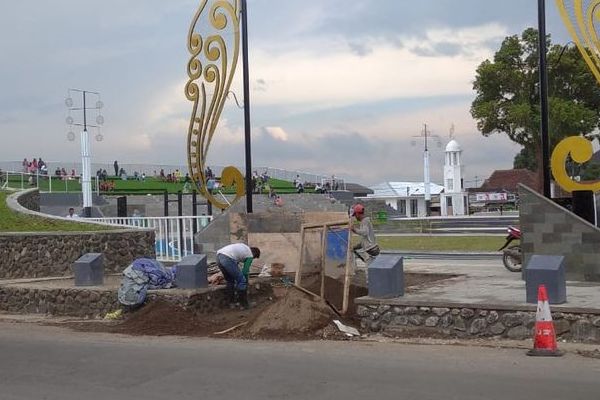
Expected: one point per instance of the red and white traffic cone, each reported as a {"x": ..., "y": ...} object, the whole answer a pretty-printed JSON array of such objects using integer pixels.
[{"x": 544, "y": 340}]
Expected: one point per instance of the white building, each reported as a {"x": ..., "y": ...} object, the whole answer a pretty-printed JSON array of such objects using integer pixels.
[
  {"x": 454, "y": 200},
  {"x": 408, "y": 198}
]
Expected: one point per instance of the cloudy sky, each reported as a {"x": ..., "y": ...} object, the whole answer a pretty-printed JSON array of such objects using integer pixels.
[{"x": 338, "y": 87}]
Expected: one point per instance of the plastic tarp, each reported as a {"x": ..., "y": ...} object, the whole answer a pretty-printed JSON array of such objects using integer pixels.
[{"x": 141, "y": 275}]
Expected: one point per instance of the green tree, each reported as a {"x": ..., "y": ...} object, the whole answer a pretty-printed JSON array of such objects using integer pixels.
[
  {"x": 507, "y": 98},
  {"x": 525, "y": 159}
]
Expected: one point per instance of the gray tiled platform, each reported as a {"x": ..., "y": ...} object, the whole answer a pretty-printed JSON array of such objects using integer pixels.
[{"x": 481, "y": 284}]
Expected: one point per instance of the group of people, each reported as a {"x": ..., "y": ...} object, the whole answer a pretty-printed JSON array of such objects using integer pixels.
[
  {"x": 260, "y": 183},
  {"x": 35, "y": 166}
]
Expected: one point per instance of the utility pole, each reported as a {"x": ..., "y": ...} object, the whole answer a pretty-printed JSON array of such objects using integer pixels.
[
  {"x": 426, "y": 135},
  {"x": 426, "y": 179}
]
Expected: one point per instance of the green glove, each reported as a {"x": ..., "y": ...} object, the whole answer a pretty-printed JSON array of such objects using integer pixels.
[{"x": 247, "y": 264}]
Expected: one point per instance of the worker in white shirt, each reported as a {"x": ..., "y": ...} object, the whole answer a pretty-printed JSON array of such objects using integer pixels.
[{"x": 228, "y": 260}]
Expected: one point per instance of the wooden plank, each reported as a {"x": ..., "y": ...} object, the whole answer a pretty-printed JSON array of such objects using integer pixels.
[
  {"x": 347, "y": 271},
  {"x": 308, "y": 292},
  {"x": 231, "y": 329},
  {"x": 323, "y": 259},
  {"x": 314, "y": 226},
  {"x": 299, "y": 271}
]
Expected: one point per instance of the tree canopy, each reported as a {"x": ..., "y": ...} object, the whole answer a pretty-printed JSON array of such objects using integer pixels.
[{"x": 507, "y": 99}]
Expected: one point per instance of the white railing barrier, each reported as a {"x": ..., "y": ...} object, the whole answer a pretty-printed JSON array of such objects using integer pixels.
[
  {"x": 54, "y": 183},
  {"x": 174, "y": 236}
]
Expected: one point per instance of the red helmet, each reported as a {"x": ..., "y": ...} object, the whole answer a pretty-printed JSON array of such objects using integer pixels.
[{"x": 357, "y": 209}]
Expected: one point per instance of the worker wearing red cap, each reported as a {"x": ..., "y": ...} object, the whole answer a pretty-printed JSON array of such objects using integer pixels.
[{"x": 368, "y": 243}]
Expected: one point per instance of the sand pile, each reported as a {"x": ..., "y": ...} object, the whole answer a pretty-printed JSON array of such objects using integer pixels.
[{"x": 294, "y": 315}]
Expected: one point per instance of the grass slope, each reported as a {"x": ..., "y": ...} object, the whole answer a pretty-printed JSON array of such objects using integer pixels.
[
  {"x": 11, "y": 221},
  {"x": 441, "y": 243}
]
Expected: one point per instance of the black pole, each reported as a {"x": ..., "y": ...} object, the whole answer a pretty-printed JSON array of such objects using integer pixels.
[
  {"x": 247, "y": 107},
  {"x": 194, "y": 211},
  {"x": 166, "y": 203},
  {"x": 545, "y": 142}
]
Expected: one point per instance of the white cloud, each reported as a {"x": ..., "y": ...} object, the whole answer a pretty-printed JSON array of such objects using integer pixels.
[
  {"x": 328, "y": 73},
  {"x": 277, "y": 133}
]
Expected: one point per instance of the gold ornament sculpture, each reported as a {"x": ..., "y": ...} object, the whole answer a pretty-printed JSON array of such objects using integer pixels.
[
  {"x": 580, "y": 150},
  {"x": 211, "y": 69},
  {"x": 580, "y": 18}
]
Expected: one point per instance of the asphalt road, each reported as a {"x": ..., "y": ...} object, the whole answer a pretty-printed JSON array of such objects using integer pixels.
[{"x": 40, "y": 362}]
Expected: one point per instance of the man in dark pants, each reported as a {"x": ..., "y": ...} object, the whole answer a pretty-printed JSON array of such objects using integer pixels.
[{"x": 228, "y": 259}]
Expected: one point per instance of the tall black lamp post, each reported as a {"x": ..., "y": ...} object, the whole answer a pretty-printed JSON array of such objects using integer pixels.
[
  {"x": 545, "y": 141},
  {"x": 248, "y": 136}
]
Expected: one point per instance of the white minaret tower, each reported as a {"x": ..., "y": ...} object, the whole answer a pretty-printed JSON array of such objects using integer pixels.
[
  {"x": 454, "y": 199},
  {"x": 453, "y": 168}
]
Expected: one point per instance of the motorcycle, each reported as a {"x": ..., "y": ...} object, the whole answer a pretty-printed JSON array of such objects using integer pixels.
[{"x": 511, "y": 255}]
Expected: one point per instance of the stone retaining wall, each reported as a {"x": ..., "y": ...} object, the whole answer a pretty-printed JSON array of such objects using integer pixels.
[
  {"x": 473, "y": 322},
  {"x": 35, "y": 255},
  {"x": 96, "y": 302},
  {"x": 30, "y": 199},
  {"x": 48, "y": 254}
]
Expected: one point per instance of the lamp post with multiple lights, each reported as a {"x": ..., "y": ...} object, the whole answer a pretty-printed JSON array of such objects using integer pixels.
[{"x": 86, "y": 156}]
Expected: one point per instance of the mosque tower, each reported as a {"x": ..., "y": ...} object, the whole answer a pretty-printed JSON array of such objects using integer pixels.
[{"x": 454, "y": 199}]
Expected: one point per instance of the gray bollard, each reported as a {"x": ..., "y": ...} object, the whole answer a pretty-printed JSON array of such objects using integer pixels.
[
  {"x": 548, "y": 271},
  {"x": 192, "y": 272},
  {"x": 89, "y": 270},
  {"x": 386, "y": 276}
]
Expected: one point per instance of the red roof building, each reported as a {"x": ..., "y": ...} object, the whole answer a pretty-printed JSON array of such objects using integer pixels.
[{"x": 507, "y": 181}]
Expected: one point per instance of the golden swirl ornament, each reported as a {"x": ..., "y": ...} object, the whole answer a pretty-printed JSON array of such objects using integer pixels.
[
  {"x": 582, "y": 17},
  {"x": 211, "y": 69},
  {"x": 580, "y": 149}
]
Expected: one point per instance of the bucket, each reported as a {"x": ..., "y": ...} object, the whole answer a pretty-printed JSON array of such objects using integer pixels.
[{"x": 277, "y": 269}]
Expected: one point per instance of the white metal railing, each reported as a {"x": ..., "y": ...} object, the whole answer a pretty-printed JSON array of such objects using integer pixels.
[
  {"x": 174, "y": 236},
  {"x": 44, "y": 182}
]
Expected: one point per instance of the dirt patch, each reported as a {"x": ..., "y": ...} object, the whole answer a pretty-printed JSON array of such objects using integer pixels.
[{"x": 285, "y": 314}]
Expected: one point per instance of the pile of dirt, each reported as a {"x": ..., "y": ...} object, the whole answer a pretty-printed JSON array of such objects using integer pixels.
[{"x": 294, "y": 315}]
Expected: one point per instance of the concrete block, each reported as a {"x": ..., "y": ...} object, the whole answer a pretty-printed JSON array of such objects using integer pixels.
[
  {"x": 549, "y": 271},
  {"x": 192, "y": 272},
  {"x": 89, "y": 270},
  {"x": 386, "y": 276}
]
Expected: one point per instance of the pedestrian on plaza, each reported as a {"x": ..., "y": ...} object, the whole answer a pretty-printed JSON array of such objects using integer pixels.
[
  {"x": 116, "y": 167},
  {"x": 72, "y": 214},
  {"x": 228, "y": 259}
]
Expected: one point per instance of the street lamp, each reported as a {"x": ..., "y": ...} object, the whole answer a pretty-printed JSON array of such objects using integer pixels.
[
  {"x": 545, "y": 141},
  {"x": 425, "y": 134},
  {"x": 86, "y": 182}
]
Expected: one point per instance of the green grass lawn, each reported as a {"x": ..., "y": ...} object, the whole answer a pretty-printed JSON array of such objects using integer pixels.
[
  {"x": 11, "y": 221},
  {"x": 441, "y": 243}
]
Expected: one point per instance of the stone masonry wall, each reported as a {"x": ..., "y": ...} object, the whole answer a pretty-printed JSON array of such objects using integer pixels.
[
  {"x": 549, "y": 229},
  {"x": 47, "y": 254},
  {"x": 473, "y": 322},
  {"x": 34, "y": 255},
  {"x": 95, "y": 303},
  {"x": 30, "y": 199}
]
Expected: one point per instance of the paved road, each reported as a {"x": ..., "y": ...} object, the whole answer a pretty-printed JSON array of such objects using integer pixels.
[{"x": 50, "y": 363}]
